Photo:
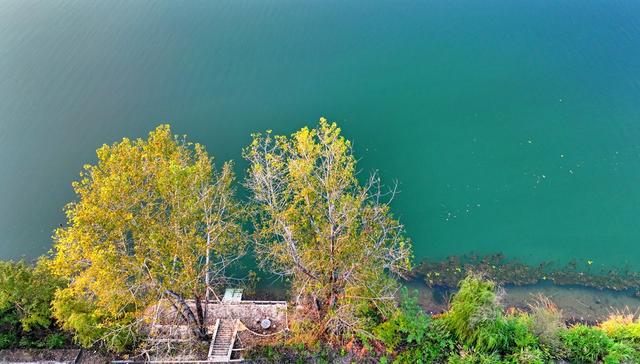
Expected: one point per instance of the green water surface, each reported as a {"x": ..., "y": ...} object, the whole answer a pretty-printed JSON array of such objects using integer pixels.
[{"x": 511, "y": 126}]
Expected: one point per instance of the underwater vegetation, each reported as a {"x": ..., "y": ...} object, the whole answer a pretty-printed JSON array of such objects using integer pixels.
[{"x": 503, "y": 271}]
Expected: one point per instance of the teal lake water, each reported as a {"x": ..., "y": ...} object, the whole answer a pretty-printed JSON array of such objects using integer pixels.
[{"x": 511, "y": 126}]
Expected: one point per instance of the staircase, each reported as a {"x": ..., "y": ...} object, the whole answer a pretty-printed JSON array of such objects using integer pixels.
[{"x": 223, "y": 340}]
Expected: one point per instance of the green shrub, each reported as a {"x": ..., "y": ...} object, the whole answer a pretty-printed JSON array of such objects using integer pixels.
[
  {"x": 291, "y": 354},
  {"x": 55, "y": 340},
  {"x": 586, "y": 344},
  {"x": 27, "y": 342},
  {"x": 471, "y": 357},
  {"x": 527, "y": 355},
  {"x": 9, "y": 327},
  {"x": 506, "y": 335},
  {"x": 478, "y": 322},
  {"x": 408, "y": 324},
  {"x": 621, "y": 353},
  {"x": 473, "y": 308},
  {"x": 29, "y": 291},
  {"x": 435, "y": 346},
  {"x": 26, "y": 293},
  {"x": 8, "y": 340},
  {"x": 412, "y": 335}
]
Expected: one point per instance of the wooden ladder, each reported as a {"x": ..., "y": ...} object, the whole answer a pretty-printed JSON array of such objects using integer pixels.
[{"x": 223, "y": 339}]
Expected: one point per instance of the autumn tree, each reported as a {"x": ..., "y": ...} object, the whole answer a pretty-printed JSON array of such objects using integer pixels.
[
  {"x": 334, "y": 237},
  {"x": 154, "y": 219}
]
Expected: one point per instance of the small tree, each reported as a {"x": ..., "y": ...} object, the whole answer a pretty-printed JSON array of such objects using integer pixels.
[
  {"x": 317, "y": 224},
  {"x": 154, "y": 219}
]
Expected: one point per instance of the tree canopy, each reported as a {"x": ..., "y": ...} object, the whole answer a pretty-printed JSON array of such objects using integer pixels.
[
  {"x": 317, "y": 224},
  {"x": 153, "y": 219}
]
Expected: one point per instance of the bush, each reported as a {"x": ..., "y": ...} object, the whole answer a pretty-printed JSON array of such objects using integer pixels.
[
  {"x": 546, "y": 325},
  {"x": 26, "y": 293},
  {"x": 486, "y": 332},
  {"x": 527, "y": 356},
  {"x": 506, "y": 335},
  {"x": 412, "y": 335},
  {"x": 291, "y": 354},
  {"x": 586, "y": 344},
  {"x": 9, "y": 328},
  {"x": 623, "y": 328},
  {"x": 435, "y": 346},
  {"x": 473, "y": 307},
  {"x": 471, "y": 357},
  {"x": 55, "y": 340},
  {"x": 621, "y": 353},
  {"x": 8, "y": 340}
]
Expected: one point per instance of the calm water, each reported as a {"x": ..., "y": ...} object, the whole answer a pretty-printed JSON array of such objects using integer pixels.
[{"x": 512, "y": 126}]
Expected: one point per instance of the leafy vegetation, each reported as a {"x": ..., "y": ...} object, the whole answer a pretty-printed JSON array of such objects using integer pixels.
[
  {"x": 412, "y": 336},
  {"x": 294, "y": 354},
  {"x": 474, "y": 311},
  {"x": 317, "y": 225},
  {"x": 155, "y": 221},
  {"x": 586, "y": 344},
  {"x": 546, "y": 325},
  {"x": 477, "y": 330},
  {"x": 479, "y": 324},
  {"x": 623, "y": 328},
  {"x": 26, "y": 293}
]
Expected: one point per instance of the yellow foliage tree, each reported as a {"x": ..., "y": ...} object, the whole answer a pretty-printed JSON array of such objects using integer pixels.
[
  {"x": 153, "y": 219},
  {"x": 315, "y": 223}
]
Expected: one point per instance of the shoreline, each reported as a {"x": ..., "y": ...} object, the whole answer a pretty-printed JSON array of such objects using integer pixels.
[
  {"x": 513, "y": 272},
  {"x": 578, "y": 304}
]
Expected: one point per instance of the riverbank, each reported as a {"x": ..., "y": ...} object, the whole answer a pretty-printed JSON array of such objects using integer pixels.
[
  {"x": 583, "y": 292},
  {"x": 512, "y": 272},
  {"x": 577, "y": 304}
]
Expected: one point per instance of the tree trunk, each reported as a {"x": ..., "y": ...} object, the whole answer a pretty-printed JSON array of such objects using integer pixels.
[
  {"x": 200, "y": 313},
  {"x": 207, "y": 278},
  {"x": 188, "y": 316}
]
